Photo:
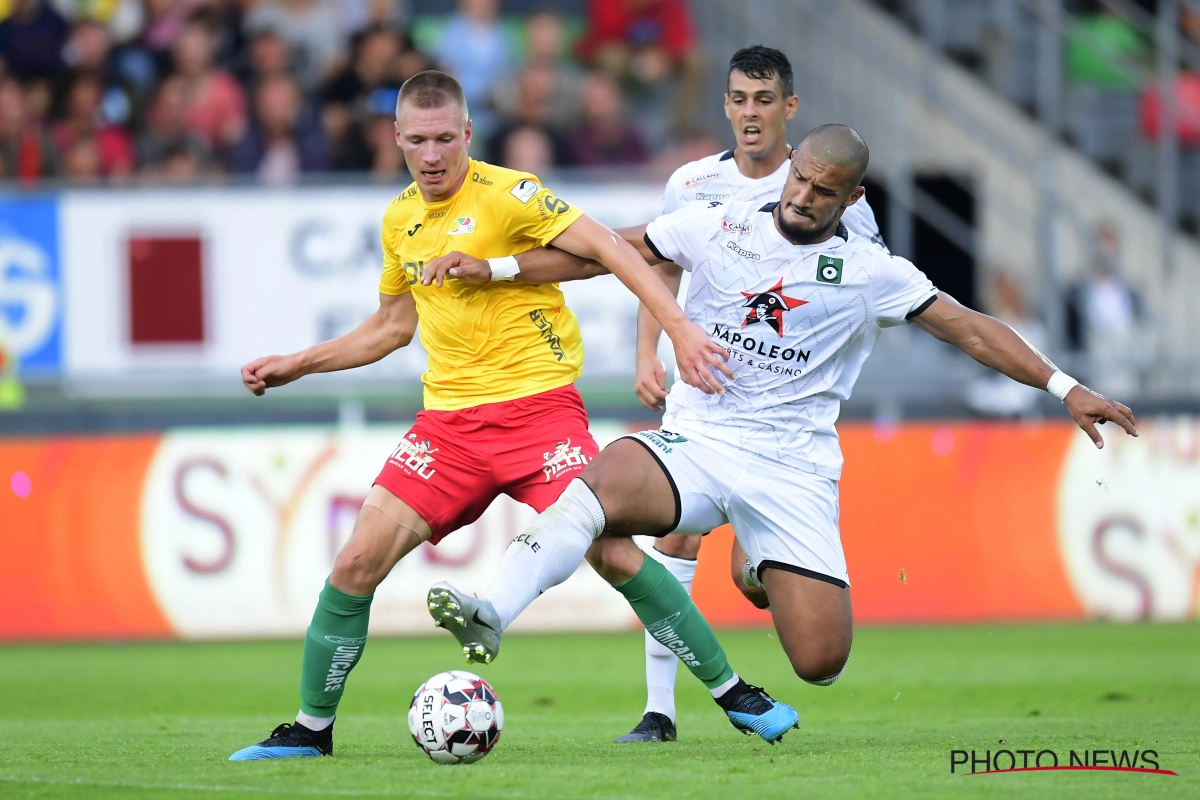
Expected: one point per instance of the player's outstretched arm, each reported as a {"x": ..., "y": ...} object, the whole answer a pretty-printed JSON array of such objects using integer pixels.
[
  {"x": 539, "y": 265},
  {"x": 650, "y": 383},
  {"x": 391, "y": 327},
  {"x": 994, "y": 344},
  {"x": 627, "y": 256}
]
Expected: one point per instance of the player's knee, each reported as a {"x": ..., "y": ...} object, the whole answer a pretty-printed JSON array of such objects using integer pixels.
[
  {"x": 821, "y": 669},
  {"x": 616, "y": 559},
  {"x": 355, "y": 572}
]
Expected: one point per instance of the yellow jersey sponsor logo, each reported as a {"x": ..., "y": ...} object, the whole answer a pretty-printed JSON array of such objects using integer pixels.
[
  {"x": 524, "y": 190},
  {"x": 413, "y": 271},
  {"x": 549, "y": 205},
  {"x": 548, "y": 335}
]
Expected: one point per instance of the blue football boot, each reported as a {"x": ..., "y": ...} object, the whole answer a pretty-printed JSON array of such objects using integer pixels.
[
  {"x": 289, "y": 740},
  {"x": 753, "y": 711}
]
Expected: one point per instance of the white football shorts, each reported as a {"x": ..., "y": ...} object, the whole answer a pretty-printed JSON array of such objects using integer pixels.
[{"x": 785, "y": 518}]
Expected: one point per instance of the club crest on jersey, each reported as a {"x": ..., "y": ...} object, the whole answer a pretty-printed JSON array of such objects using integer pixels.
[
  {"x": 563, "y": 458},
  {"x": 829, "y": 269},
  {"x": 740, "y": 228},
  {"x": 463, "y": 225},
  {"x": 415, "y": 456},
  {"x": 769, "y": 307}
]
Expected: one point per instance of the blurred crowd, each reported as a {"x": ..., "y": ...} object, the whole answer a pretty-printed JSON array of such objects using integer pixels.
[{"x": 117, "y": 91}]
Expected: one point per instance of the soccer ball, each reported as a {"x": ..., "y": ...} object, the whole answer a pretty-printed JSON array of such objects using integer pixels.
[{"x": 456, "y": 717}]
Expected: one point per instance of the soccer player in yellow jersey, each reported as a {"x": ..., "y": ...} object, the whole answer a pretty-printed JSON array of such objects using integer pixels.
[{"x": 501, "y": 413}]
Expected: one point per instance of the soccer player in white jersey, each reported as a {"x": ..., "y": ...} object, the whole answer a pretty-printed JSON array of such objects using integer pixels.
[
  {"x": 798, "y": 302},
  {"x": 759, "y": 101}
]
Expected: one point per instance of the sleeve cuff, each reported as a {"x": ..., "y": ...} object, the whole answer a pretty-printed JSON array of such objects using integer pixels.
[
  {"x": 653, "y": 249},
  {"x": 919, "y": 310}
]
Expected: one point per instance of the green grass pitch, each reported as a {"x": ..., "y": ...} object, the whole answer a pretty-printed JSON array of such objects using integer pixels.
[{"x": 159, "y": 720}]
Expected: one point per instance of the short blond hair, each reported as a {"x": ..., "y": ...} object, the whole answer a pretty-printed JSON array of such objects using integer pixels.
[{"x": 432, "y": 89}]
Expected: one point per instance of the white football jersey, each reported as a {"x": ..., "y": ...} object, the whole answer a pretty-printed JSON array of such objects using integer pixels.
[
  {"x": 798, "y": 322},
  {"x": 717, "y": 179}
]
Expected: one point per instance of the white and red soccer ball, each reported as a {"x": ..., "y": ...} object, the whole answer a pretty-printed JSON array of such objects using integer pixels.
[{"x": 456, "y": 717}]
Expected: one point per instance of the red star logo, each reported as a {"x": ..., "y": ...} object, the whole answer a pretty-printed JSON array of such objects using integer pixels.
[{"x": 769, "y": 307}]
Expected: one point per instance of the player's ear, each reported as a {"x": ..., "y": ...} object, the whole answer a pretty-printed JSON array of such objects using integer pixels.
[
  {"x": 858, "y": 192},
  {"x": 726, "y": 106},
  {"x": 467, "y": 135},
  {"x": 790, "y": 105}
]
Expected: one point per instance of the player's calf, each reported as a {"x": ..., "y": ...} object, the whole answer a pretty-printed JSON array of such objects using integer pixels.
[{"x": 813, "y": 618}]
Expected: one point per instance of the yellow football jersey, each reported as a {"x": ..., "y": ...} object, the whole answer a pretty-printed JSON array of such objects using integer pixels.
[{"x": 498, "y": 341}]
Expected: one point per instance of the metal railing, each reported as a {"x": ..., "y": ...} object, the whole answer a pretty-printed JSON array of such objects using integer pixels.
[{"x": 844, "y": 72}]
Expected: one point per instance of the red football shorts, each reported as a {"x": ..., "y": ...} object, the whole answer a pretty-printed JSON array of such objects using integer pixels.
[{"x": 451, "y": 465}]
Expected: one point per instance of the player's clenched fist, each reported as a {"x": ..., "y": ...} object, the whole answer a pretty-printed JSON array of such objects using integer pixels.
[
  {"x": 650, "y": 384},
  {"x": 698, "y": 357},
  {"x": 268, "y": 371},
  {"x": 465, "y": 268},
  {"x": 1089, "y": 409}
]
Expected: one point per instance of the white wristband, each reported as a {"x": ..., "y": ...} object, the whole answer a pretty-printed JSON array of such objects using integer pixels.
[
  {"x": 1059, "y": 384},
  {"x": 504, "y": 269}
]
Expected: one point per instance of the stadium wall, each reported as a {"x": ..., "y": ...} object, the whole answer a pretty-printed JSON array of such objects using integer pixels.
[
  {"x": 229, "y": 533},
  {"x": 164, "y": 291}
]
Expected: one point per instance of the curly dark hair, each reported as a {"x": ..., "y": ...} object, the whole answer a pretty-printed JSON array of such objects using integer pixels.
[{"x": 762, "y": 63}]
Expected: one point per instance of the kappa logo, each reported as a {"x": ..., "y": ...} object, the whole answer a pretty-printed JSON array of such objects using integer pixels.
[
  {"x": 706, "y": 196},
  {"x": 699, "y": 179},
  {"x": 743, "y": 228},
  {"x": 769, "y": 307},
  {"x": 741, "y": 251},
  {"x": 463, "y": 225},
  {"x": 563, "y": 458},
  {"x": 524, "y": 190},
  {"x": 415, "y": 456}
]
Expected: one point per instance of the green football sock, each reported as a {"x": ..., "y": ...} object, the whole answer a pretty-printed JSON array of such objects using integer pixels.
[
  {"x": 670, "y": 616},
  {"x": 334, "y": 644}
]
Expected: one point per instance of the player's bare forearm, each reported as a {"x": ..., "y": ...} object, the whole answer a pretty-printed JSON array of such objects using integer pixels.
[
  {"x": 590, "y": 240},
  {"x": 994, "y": 344},
  {"x": 539, "y": 265},
  {"x": 390, "y": 327},
  {"x": 987, "y": 340},
  {"x": 695, "y": 354},
  {"x": 648, "y": 329},
  {"x": 552, "y": 265},
  {"x": 650, "y": 379}
]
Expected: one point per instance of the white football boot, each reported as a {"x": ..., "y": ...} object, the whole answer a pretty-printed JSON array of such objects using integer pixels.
[{"x": 473, "y": 622}]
